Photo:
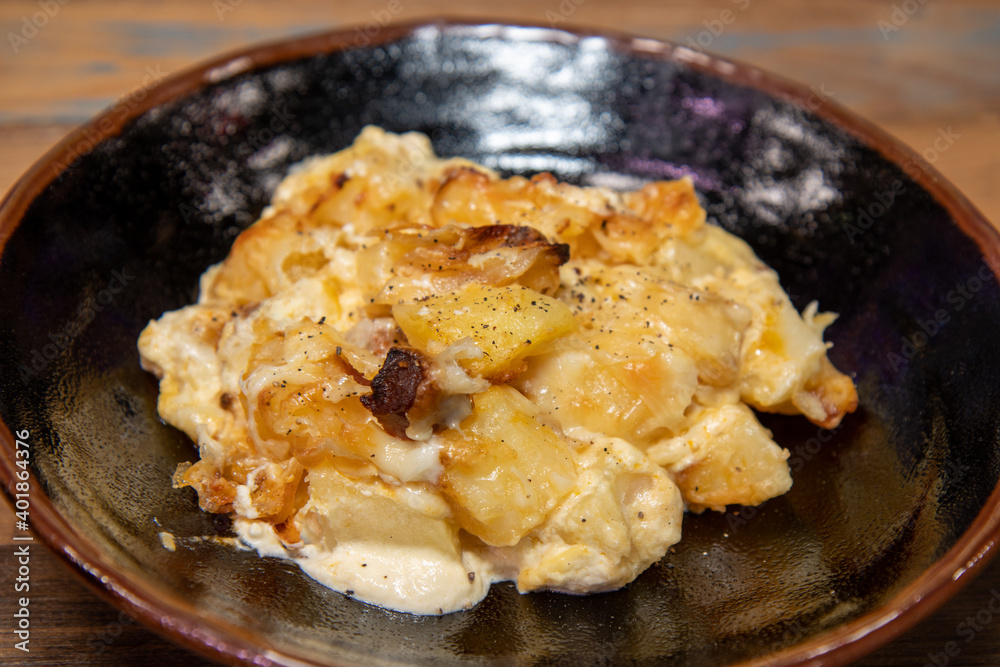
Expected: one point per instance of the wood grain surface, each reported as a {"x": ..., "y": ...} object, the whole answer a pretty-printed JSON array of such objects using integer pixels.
[{"x": 914, "y": 67}]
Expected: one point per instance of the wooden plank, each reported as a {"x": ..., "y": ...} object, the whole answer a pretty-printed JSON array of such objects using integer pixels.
[
  {"x": 941, "y": 59},
  {"x": 22, "y": 145}
]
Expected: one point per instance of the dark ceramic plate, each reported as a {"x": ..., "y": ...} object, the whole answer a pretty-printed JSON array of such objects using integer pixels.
[{"x": 888, "y": 515}]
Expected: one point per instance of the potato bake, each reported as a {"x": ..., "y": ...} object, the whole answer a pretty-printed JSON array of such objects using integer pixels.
[{"x": 416, "y": 378}]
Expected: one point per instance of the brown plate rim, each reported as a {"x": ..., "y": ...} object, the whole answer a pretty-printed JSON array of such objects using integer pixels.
[{"x": 180, "y": 621}]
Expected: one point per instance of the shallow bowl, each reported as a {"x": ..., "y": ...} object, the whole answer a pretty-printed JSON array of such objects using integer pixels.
[{"x": 889, "y": 513}]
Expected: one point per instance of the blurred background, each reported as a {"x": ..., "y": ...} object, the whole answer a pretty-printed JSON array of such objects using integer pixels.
[{"x": 927, "y": 71}]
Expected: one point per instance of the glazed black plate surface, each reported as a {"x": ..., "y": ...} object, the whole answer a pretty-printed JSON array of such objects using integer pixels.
[{"x": 114, "y": 227}]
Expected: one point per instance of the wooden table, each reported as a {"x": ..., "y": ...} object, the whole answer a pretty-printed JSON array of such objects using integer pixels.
[{"x": 915, "y": 67}]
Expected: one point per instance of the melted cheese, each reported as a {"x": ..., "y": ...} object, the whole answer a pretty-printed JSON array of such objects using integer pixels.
[{"x": 573, "y": 369}]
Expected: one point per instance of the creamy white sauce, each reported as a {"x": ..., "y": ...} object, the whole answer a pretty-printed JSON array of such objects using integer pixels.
[
  {"x": 410, "y": 462},
  {"x": 415, "y": 579}
]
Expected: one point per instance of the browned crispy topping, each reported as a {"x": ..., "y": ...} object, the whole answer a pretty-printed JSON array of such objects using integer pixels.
[
  {"x": 215, "y": 493},
  {"x": 246, "y": 309},
  {"x": 453, "y": 256},
  {"x": 352, "y": 371},
  {"x": 395, "y": 388},
  {"x": 490, "y": 237},
  {"x": 288, "y": 532},
  {"x": 384, "y": 337}
]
